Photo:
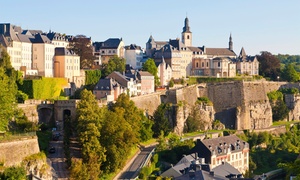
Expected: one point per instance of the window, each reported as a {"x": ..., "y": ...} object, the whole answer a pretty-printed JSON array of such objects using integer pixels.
[
  {"x": 188, "y": 37},
  {"x": 202, "y": 64},
  {"x": 206, "y": 64},
  {"x": 219, "y": 64},
  {"x": 196, "y": 64}
]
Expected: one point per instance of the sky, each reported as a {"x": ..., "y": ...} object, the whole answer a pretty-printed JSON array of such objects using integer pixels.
[{"x": 256, "y": 25}]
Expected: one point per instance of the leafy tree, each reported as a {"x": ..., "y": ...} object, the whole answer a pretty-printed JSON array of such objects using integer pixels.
[
  {"x": 118, "y": 138},
  {"x": 14, "y": 173},
  {"x": 269, "y": 65},
  {"x": 161, "y": 122},
  {"x": 150, "y": 66},
  {"x": 78, "y": 170},
  {"x": 280, "y": 110},
  {"x": 290, "y": 74},
  {"x": 114, "y": 64},
  {"x": 89, "y": 120},
  {"x": 21, "y": 97},
  {"x": 292, "y": 168},
  {"x": 171, "y": 82},
  {"x": 7, "y": 99},
  {"x": 82, "y": 46},
  {"x": 92, "y": 76},
  {"x": 140, "y": 124}
]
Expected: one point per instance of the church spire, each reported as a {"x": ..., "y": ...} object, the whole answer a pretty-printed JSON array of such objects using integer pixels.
[
  {"x": 230, "y": 43},
  {"x": 186, "y": 27}
]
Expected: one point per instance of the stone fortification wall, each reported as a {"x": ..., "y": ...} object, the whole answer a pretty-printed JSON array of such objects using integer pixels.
[
  {"x": 148, "y": 102},
  {"x": 12, "y": 153},
  {"x": 187, "y": 94},
  {"x": 226, "y": 97},
  {"x": 30, "y": 111}
]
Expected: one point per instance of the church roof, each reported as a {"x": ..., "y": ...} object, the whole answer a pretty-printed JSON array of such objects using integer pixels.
[
  {"x": 219, "y": 52},
  {"x": 195, "y": 49}
]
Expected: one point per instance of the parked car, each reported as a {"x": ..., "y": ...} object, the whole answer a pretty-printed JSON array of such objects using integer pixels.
[{"x": 52, "y": 150}]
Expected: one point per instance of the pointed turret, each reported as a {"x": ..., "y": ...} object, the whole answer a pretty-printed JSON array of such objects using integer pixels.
[
  {"x": 186, "y": 33},
  {"x": 150, "y": 39},
  {"x": 186, "y": 28},
  {"x": 242, "y": 53},
  {"x": 230, "y": 43}
]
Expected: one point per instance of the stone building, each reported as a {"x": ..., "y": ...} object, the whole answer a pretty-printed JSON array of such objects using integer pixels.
[
  {"x": 133, "y": 56},
  {"x": 103, "y": 51},
  {"x": 230, "y": 149},
  {"x": 188, "y": 60}
]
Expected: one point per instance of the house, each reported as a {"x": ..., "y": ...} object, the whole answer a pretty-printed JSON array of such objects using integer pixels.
[
  {"x": 147, "y": 82},
  {"x": 230, "y": 149},
  {"x": 103, "y": 51},
  {"x": 107, "y": 89},
  {"x": 58, "y": 39},
  {"x": 127, "y": 83},
  {"x": 164, "y": 72},
  {"x": 11, "y": 43},
  {"x": 193, "y": 167},
  {"x": 247, "y": 65},
  {"x": 66, "y": 64},
  {"x": 134, "y": 55}
]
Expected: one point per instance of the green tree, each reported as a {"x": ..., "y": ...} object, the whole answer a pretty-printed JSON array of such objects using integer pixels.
[
  {"x": 78, "y": 170},
  {"x": 290, "y": 74},
  {"x": 14, "y": 173},
  {"x": 171, "y": 82},
  {"x": 150, "y": 66},
  {"x": 161, "y": 122},
  {"x": 82, "y": 46},
  {"x": 89, "y": 122},
  {"x": 269, "y": 65},
  {"x": 118, "y": 139},
  {"x": 114, "y": 64},
  {"x": 292, "y": 168}
]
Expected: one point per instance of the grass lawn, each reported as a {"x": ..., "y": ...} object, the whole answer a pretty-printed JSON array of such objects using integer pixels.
[{"x": 280, "y": 123}]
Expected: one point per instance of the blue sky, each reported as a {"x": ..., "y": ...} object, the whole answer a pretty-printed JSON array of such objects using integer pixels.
[{"x": 256, "y": 25}]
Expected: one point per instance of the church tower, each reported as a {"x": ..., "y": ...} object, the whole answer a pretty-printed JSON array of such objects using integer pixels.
[
  {"x": 186, "y": 33},
  {"x": 230, "y": 43}
]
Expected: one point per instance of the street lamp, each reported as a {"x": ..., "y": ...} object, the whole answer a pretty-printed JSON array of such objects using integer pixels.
[{"x": 277, "y": 78}]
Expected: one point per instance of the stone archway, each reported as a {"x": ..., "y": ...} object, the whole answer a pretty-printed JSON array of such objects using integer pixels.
[
  {"x": 45, "y": 115},
  {"x": 66, "y": 113}
]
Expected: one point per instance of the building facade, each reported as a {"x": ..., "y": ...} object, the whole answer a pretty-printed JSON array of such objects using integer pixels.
[
  {"x": 133, "y": 56},
  {"x": 66, "y": 64},
  {"x": 103, "y": 51},
  {"x": 230, "y": 149}
]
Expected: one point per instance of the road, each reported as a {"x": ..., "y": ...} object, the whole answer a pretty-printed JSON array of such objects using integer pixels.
[
  {"x": 58, "y": 159},
  {"x": 134, "y": 168}
]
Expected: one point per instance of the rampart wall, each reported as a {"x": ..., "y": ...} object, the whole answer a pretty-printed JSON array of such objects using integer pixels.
[{"x": 12, "y": 153}]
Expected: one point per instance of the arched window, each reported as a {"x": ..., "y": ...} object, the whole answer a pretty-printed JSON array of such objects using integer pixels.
[
  {"x": 188, "y": 37},
  {"x": 196, "y": 64}
]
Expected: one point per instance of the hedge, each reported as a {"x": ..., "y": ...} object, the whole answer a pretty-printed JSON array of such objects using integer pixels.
[{"x": 44, "y": 88}]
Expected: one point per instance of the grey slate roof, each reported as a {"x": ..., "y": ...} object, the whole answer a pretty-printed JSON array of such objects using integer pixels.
[
  {"x": 133, "y": 47},
  {"x": 111, "y": 43},
  {"x": 122, "y": 80},
  {"x": 105, "y": 84},
  {"x": 39, "y": 38},
  {"x": 61, "y": 51},
  {"x": 219, "y": 144},
  {"x": 25, "y": 38},
  {"x": 32, "y": 32},
  {"x": 225, "y": 169},
  {"x": 56, "y": 36}
]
